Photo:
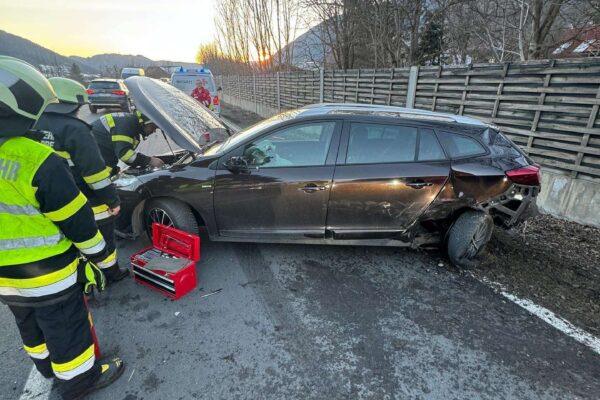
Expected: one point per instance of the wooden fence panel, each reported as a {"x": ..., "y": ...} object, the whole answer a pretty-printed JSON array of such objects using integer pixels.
[{"x": 548, "y": 107}]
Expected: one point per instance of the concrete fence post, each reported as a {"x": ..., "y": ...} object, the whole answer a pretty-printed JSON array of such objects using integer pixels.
[
  {"x": 321, "y": 84},
  {"x": 412, "y": 87},
  {"x": 278, "y": 94},
  {"x": 254, "y": 93}
]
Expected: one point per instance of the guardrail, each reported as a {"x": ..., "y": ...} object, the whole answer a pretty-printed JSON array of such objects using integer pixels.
[{"x": 548, "y": 107}]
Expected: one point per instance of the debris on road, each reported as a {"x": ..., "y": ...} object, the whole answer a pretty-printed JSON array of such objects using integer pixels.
[{"x": 211, "y": 293}]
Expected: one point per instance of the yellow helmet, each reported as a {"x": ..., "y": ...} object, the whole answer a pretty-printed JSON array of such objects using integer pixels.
[{"x": 24, "y": 92}]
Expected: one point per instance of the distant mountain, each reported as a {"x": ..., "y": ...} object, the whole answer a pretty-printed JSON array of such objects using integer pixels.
[
  {"x": 16, "y": 46},
  {"x": 307, "y": 50},
  {"x": 52, "y": 63}
]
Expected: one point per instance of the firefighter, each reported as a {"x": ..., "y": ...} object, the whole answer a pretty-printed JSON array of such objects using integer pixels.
[
  {"x": 118, "y": 135},
  {"x": 46, "y": 226},
  {"x": 72, "y": 139}
]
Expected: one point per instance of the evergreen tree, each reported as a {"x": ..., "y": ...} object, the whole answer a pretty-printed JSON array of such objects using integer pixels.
[
  {"x": 75, "y": 73},
  {"x": 430, "y": 43}
]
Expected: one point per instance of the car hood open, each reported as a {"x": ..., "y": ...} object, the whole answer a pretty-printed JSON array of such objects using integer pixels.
[{"x": 178, "y": 115}]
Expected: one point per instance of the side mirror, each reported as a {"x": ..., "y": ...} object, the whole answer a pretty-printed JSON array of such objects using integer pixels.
[{"x": 237, "y": 164}]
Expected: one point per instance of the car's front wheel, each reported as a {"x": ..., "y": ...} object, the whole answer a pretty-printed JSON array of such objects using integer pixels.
[
  {"x": 467, "y": 238},
  {"x": 169, "y": 212}
]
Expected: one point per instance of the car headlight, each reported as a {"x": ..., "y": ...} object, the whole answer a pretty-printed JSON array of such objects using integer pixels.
[{"x": 127, "y": 182}]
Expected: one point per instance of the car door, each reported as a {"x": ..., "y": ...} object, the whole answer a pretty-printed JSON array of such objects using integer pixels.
[
  {"x": 284, "y": 190},
  {"x": 387, "y": 175}
]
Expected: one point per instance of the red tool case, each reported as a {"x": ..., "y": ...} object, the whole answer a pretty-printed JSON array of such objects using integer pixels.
[{"x": 178, "y": 246}]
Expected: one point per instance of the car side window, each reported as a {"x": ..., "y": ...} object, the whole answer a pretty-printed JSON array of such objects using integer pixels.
[
  {"x": 429, "y": 147},
  {"x": 381, "y": 143},
  {"x": 297, "y": 146},
  {"x": 460, "y": 145}
]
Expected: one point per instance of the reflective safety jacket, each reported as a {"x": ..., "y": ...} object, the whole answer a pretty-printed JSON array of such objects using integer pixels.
[
  {"x": 118, "y": 135},
  {"x": 71, "y": 139},
  {"x": 45, "y": 221}
]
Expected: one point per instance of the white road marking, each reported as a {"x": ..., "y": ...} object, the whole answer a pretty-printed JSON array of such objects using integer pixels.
[
  {"x": 547, "y": 316},
  {"x": 36, "y": 387}
]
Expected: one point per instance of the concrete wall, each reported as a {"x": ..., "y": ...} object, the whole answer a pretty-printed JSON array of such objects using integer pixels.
[
  {"x": 570, "y": 198},
  {"x": 257, "y": 108},
  {"x": 573, "y": 199}
]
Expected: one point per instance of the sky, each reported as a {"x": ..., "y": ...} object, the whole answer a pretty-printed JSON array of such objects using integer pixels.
[{"x": 158, "y": 29}]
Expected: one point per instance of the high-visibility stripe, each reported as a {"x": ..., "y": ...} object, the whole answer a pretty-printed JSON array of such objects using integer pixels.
[
  {"x": 18, "y": 210},
  {"x": 41, "y": 291},
  {"x": 100, "y": 184},
  {"x": 39, "y": 282},
  {"x": 100, "y": 208},
  {"x": 121, "y": 138},
  {"x": 108, "y": 261},
  {"x": 129, "y": 156},
  {"x": 39, "y": 352},
  {"x": 63, "y": 154},
  {"x": 101, "y": 212},
  {"x": 30, "y": 242},
  {"x": 105, "y": 173},
  {"x": 68, "y": 210},
  {"x": 77, "y": 366},
  {"x": 93, "y": 245},
  {"x": 107, "y": 121}
]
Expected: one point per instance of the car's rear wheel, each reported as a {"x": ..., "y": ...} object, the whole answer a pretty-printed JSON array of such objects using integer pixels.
[
  {"x": 93, "y": 110},
  {"x": 126, "y": 108},
  {"x": 169, "y": 212},
  {"x": 467, "y": 238}
]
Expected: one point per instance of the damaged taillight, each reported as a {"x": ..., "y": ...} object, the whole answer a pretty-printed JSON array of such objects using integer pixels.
[{"x": 529, "y": 175}]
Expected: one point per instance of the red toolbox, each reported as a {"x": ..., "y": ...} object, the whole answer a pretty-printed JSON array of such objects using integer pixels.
[{"x": 169, "y": 266}]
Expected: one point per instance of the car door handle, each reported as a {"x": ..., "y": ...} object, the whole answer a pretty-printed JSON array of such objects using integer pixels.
[
  {"x": 418, "y": 184},
  {"x": 311, "y": 187}
]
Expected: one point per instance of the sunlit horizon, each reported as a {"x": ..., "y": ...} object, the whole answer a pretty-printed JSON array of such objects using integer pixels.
[{"x": 158, "y": 29}]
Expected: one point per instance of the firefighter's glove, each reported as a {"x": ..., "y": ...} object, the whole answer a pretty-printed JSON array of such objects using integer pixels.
[{"x": 94, "y": 278}]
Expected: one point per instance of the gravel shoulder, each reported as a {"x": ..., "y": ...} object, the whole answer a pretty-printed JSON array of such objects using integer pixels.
[{"x": 552, "y": 262}]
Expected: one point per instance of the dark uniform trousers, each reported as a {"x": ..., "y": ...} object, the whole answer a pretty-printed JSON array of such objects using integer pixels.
[{"x": 61, "y": 334}]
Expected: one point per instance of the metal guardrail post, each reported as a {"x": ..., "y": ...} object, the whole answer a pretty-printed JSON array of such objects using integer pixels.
[
  {"x": 321, "y": 84},
  {"x": 278, "y": 94},
  {"x": 412, "y": 87}
]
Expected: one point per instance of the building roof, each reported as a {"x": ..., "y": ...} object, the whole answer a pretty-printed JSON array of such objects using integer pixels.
[{"x": 579, "y": 42}]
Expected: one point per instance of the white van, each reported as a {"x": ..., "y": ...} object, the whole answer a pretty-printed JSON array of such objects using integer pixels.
[
  {"x": 185, "y": 80},
  {"x": 127, "y": 72}
]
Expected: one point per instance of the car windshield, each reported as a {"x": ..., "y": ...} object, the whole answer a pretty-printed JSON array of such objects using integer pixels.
[{"x": 241, "y": 136}]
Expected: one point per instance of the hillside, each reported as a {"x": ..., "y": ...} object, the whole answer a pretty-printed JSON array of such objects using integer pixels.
[{"x": 16, "y": 46}]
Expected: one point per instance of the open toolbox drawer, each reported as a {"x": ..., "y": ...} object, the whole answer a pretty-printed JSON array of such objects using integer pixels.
[{"x": 169, "y": 265}]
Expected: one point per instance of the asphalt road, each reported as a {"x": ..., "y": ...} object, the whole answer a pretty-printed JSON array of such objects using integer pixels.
[{"x": 317, "y": 322}]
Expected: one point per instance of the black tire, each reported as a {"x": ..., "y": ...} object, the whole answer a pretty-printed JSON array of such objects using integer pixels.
[
  {"x": 177, "y": 214},
  {"x": 93, "y": 110},
  {"x": 126, "y": 108},
  {"x": 467, "y": 238}
]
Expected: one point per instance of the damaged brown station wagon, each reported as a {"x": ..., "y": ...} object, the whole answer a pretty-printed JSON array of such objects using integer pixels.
[{"x": 347, "y": 174}]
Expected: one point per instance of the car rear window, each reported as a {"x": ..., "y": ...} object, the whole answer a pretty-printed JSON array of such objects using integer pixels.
[
  {"x": 458, "y": 146},
  {"x": 378, "y": 143},
  {"x": 104, "y": 85}
]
